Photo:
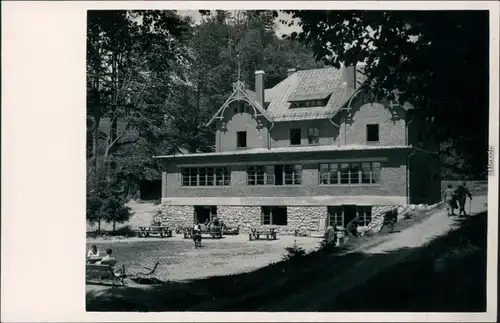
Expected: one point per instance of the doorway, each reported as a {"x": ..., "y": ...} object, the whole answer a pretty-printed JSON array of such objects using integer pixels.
[
  {"x": 203, "y": 214},
  {"x": 341, "y": 215},
  {"x": 350, "y": 213}
]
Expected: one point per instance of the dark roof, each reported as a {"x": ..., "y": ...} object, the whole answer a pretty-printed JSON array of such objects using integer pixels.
[{"x": 314, "y": 84}]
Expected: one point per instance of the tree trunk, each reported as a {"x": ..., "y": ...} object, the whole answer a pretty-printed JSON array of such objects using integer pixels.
[
  {"x": 114, "y": 225},
  {"x": 99, "y": 226}
]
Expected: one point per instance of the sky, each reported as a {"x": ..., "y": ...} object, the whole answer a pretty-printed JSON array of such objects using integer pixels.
[{"x": 280, "y": 28}]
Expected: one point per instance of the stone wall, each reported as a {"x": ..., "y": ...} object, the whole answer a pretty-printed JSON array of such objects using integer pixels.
[
  {"x": 302, "y": 218},
  {"x": 176, "y": 216},
  {"x": 305, "y": 218},
  {"x": 245, "y": 216},
  {"x": 404, "y": 212}
]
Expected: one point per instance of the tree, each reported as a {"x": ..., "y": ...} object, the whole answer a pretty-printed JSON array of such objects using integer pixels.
[
  {"x": 131, "y": 56},
  {"x": 438, "y": 60}
]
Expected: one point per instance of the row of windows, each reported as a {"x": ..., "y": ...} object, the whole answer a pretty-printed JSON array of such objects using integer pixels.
[
  {"x": 206, "y": 176},
  {"x": 274, "y": 175},
  {"x": 312, "y": 134},
  {"x": 350, "y": 173},
  {"x": 258, "y": 175},
  {"x": 338, "y": 216}
]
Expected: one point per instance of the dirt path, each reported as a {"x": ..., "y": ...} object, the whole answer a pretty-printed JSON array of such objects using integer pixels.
[{"x": 315, "y": 298}]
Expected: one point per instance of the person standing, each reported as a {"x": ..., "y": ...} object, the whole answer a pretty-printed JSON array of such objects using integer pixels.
[
  {"x": 330, "y": 235},
  {"x": 449, "y": 199},
  {"x": 462, "y": 192}
]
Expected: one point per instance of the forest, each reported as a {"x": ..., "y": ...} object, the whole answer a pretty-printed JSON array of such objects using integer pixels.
[{"x": 155, "y": 77}]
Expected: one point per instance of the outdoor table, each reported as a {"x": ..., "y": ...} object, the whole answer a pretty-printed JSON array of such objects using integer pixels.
[{"x": 145, "y": 231}]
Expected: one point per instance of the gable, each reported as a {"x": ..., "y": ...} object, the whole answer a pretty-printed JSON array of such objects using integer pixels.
[{"x": 241, "y": 94}]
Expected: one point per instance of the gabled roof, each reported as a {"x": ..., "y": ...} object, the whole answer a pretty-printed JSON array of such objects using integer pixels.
[
  {"x": 311, "y": 84},
  {"x": 240, "y": 93},
  {"x": 314, "y": 84}
]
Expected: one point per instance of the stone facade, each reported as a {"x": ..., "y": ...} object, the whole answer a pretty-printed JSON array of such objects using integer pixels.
[
  {"x": 245, "y": 216},
  {"x": 176, "y": 216},
  {"x": 306, "y": 219},
  {"x": 302, "y": 218}
]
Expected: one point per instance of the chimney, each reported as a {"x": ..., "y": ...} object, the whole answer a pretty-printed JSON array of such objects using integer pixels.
[
  {"x": 259, "y": 87},
  {"x": 350, "y": 76},
  {"x": 290, "y": 71}
]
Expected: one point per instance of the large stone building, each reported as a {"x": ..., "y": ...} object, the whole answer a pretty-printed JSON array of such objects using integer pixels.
[{"x": 313, "y": 150}]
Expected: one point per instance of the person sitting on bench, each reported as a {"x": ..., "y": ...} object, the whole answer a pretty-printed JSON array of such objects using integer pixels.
[
  {"x": 108, "y": 259},
  {"x": 93, "y": 252}
]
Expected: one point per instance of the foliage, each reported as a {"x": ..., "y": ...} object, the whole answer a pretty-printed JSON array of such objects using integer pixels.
[
  {"x": 437, "y": 60},
  {"x": 294, "y": 253}
]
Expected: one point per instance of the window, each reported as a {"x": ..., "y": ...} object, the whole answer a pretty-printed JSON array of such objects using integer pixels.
[
  {"x": 309, "y": 103},
  {"x": 256, "y": 175},
  {"x": 364, "y": 214},
  {"x": 273, "y": 175},
  {"x": 295, "y": 136},
  {"x": 329, "y": 173},
  {"x": 335, "y": 216},
  {"x": 370, "y": 173},
  {"x": 206, "y": 176},
  {"x": 293, "y": 174},
  {"x": 313, "y": 136},
  {"x": 270, "y": 176},
  {"x": 274, "y": 215},
  {"x": 372, "y": 134},
  {"x": 241, "y": 139},
  {"x": 235, "y": 110},
  {"x": 349, "y": 173}
]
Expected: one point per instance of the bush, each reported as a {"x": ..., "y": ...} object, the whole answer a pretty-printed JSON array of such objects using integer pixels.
[{"x": 294, "y": 253}]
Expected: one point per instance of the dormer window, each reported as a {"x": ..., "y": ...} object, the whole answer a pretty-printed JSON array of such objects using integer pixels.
[{"x": 309, "y": 103}]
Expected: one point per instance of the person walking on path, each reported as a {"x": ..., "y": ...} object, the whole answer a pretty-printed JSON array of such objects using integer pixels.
[
  {"x": 352, "y": 227},
  {"x": 462, "y": 192},
  {"x": 449, "y": 199}
]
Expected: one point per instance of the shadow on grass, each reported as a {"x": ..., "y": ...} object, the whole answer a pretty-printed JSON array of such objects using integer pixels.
[{"x": 447, "y": 274}]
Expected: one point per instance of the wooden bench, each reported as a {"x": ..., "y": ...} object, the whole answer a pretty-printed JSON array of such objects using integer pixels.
[
  {"x": 255, "y": 234},
  {"x": 146, "y": 231},
  {"x": 103, "y": 273}
]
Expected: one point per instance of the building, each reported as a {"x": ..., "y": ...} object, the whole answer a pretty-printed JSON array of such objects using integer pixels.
[{"x": 313, "y": 150}]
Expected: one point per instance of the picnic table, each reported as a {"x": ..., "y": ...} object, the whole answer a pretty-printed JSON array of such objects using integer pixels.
[
  {"x": 256, "y": 233},
  {"x": 214, "y": 232},
  {"x": 146, "y": 231}
]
